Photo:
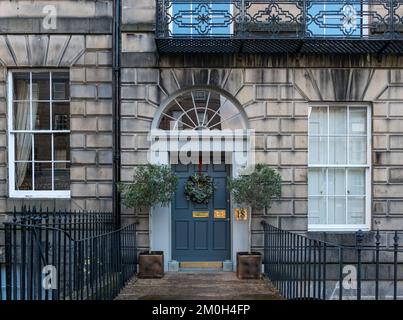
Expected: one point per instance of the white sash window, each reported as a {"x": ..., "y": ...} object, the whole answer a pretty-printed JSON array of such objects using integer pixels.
[
  {"x": 39, "y": 134},
  {"x": 339, "y": 168}
]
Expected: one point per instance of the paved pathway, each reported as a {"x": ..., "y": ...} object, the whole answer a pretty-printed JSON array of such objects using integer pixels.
[{"x": 198, "y": 286}]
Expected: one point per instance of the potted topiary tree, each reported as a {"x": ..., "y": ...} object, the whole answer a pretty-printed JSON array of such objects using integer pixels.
[
  {"x": 254, "y": 191},
  {"x": 152, "y": 185}
]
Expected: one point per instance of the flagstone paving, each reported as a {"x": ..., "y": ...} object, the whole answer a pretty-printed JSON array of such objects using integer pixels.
[{"x": 199, "y": 286}]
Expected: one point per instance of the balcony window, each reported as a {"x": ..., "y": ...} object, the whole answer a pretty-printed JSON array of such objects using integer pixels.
[
  {"x": 201, "y": 19},
  {"x": 277, "y": 27},
  {"x": 334, "y": 19}
]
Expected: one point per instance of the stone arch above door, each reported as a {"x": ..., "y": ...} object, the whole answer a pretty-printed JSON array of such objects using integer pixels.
[{"x": 200, "y": 108}]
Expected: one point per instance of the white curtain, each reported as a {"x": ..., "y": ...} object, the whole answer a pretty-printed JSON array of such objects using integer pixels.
[{"x": 23, "y": 145}]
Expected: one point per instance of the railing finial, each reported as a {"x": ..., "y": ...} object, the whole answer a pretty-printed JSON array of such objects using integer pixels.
[{"x": 359, "y": 236}]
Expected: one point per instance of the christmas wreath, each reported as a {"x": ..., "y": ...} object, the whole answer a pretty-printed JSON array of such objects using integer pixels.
[{"x": 199, "y": 188}]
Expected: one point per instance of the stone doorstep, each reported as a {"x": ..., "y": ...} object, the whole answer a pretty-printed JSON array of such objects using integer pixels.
[{"x": 202, "y": 266}]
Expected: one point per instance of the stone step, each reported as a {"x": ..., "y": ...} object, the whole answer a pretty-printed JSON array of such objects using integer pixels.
[{"x": 199, "y": 286}]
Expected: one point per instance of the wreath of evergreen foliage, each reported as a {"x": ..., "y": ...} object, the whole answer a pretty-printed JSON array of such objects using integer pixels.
[{"x": 199, "y": 188}]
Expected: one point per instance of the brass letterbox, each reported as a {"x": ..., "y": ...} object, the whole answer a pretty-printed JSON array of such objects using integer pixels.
[{"x": 200, "y": 214}]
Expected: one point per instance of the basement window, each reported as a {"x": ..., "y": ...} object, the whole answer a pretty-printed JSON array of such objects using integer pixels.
[
  {"x": 39, "y": 134},
  {"x": 339, "y": 168}
]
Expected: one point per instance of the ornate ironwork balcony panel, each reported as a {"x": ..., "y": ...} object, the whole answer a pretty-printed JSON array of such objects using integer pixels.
[{"x": 284, "y": 26}]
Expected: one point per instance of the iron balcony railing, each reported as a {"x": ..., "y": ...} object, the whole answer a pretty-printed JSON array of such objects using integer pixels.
[
  {"x": 280, "y": 26},
  {"x": 305, "y": 268},
  {"x": 49, "y": 255}
]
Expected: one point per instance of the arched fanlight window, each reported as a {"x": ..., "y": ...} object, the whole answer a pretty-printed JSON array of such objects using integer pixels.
[{"x": 202, "y": 109}]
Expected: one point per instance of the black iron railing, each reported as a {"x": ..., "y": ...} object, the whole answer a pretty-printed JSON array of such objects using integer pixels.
[
  {"x": 52, "y": 255},
  {"x": 280, "y": 26},
  {"x": 305, "y": 268}
]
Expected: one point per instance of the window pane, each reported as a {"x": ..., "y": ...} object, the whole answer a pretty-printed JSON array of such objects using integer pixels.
[
  {"x": 337, "y": 210},
  {"x": 183, "y": 25},
  {"x": 43, "y": 176},
  {"x": 62, "y": 176},
  {"x": 21, "y": 116},
  {"x": 21, "y": 86},
  {"x": 227, "y": 109},
  {"x": 318, "y": 121},
  {"x": 220, "y": 18},
  {"x": 60, "y": 115},
  {"x": 358, "y": 121},
  {"x": 23, "y": 146},
  {"x": 337, "y": 121},
  {"x": 356, "y": 210},
  {"x": 61, "y": 86},
  {"x": 317, "y": 182},
  {"x": 40, "y": 86},
  {"x": 337, "y": 182},
  {"x": 318, "y": 150},
  {"x": 43, "y": 147},
  {"x": 40, "y": 115},
  {"x": 317, "y": 210},
  {"x": 233, "y": 123},
  {"x": 356, "y": 182},
  {"x": 358, "y": 150},
  {"x": 337, "y": 150},
  {"x": 61, "y": 147},
  {"x": 331, "y": 25},
  {"x": 23, "y": 176}
]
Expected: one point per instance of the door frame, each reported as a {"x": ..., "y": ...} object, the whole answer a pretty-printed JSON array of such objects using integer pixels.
[
  {"x": 160, "y": 224},
  {"x": 229, "y": 217}
]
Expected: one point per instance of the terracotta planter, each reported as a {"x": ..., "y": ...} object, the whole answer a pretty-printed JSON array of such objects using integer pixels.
[
  {"x": 249, "y": 265},
  {"x": 151, "y": 264}
]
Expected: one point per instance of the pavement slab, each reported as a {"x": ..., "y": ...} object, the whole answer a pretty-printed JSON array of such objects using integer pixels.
[{"x": 199, "y": 286}]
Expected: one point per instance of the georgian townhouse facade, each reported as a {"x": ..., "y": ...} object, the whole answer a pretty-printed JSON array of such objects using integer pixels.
[
  {"x": 56, "y": 104},
  {"x": 320, "y": 85}
]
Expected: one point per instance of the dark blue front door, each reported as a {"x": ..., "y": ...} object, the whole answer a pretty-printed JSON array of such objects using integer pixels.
[{"x": 204, "y": 238}]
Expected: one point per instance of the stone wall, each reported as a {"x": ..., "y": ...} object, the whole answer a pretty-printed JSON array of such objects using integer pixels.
[
  {"x": 275, "y": 92},
  {"x": 82, "y": 45},
  {"x": 73, "y": 17},
  {"x": 276, "y": 102}
]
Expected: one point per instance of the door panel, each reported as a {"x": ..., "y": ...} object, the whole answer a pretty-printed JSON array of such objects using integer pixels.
[
  {"x": 181, "y": 202},
  {"x": 220, "y": 235},
  {"x": 220, "y": 200},
  {"x": 201, "y": 234},
  {"x": 201, "y": 238},
  {"x": 182, "y": 236}
]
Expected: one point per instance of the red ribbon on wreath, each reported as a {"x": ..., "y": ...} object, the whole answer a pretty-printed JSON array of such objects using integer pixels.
[{"x": 200, "y": 165}]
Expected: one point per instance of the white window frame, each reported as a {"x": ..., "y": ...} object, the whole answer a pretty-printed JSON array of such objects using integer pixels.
[
  {"x": 368, "y": 171},
  {"x": 13, "y": 193}
]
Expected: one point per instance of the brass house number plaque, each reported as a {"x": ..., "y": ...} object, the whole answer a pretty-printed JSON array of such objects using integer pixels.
[
  {"x": 200, "y": 214},
  {"x": 219, "y": 214},
  {"x": 241, "y": 213}
]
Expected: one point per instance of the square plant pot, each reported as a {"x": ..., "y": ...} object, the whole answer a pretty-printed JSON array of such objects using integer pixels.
[
  {"x": 151, "y": 264},
  {"x": 249, "y": 265}
]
